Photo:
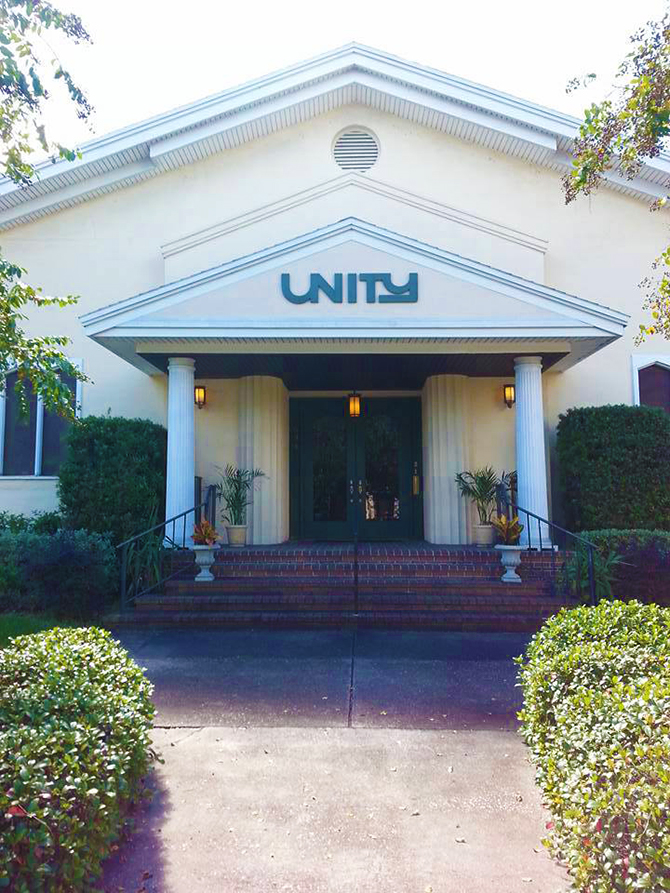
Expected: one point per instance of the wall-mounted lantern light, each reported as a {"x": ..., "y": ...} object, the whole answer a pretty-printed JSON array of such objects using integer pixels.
[
  {"x": 509, "y": 395},
  {"x": 199, "y": 396},
  {"x": 354, "y": 405}
]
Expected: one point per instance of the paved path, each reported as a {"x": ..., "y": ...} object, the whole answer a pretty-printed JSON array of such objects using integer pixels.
[{"x": 320, "y": 762}]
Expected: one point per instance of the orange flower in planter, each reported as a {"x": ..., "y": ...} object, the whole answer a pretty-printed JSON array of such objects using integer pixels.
[{"x": 204, "y": 534}]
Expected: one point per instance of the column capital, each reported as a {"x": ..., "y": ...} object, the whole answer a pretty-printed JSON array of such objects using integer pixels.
[
  {"x": 528, "y": 361},
  {"x": 188, "y": 362}
]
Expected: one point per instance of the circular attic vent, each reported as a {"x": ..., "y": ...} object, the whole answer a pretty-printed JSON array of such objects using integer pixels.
[{"x": 356, "y": 150}]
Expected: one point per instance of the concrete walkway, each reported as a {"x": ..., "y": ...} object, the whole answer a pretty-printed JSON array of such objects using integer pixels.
[{"x": 326, "y": 761}]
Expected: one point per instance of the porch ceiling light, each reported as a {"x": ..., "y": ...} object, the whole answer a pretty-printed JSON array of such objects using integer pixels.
[
  {"x": 509, "y": 395},
  {"x": 354, "y": 404},
  {"x": 199, "y": 396}
]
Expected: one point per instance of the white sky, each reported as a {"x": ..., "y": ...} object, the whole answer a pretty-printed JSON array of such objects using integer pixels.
[{"x": 152, "y": 55}]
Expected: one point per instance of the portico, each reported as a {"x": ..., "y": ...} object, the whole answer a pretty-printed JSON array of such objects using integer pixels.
[{"x": 435, "y": 337}]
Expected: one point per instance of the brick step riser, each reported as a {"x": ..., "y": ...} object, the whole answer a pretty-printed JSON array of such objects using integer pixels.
[
  {"x": 395, "y": 601},
  {"x": 286, "y": 580},
  {"x": 378, "y": 561},
  {"x": 429, "y": 570},
  {"x": 396, "y": 610},
  {"x": 465, "y": 623},
  {"x": 261, "y": 587}
]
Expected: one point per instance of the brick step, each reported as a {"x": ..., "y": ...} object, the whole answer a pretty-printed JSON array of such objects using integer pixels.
[
  {"x": 345, "y": 573},
  {"x": 365, "y": 585},
  {"x": 493, "y": 621},
  {"x": 457, "y": 600},
  {"x": 470, "y": 558}
]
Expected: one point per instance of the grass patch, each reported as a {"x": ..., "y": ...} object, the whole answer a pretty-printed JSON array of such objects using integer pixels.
[{"x": 22, "y": 624}]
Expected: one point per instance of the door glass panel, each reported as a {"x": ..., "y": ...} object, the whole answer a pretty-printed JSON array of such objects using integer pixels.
[
  {"x": 329, "y": 445},
  {"x": 382, "y": 473}
]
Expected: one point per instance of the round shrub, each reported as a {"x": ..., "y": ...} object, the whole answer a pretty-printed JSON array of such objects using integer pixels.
[
  {"x": 613, "y": 467},
  {"x": 113, "y": 477},
  {"x": 596, "y": 685},
  {"x": 75, "y": 720}
]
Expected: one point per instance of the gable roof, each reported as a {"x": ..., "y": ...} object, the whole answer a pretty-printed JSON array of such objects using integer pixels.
[
  {"x": 351, "y": 74},
  {"x": 579, "y": 326}
]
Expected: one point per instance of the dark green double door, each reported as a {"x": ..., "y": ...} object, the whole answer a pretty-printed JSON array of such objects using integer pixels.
[{"x": 356, "y": 476}]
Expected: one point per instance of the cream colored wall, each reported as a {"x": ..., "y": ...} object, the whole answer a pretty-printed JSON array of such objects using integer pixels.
[
  {"x": 110, "y": 248},
  {"x": 216, "y": 428},
  {"x": 26, "y": 495}
]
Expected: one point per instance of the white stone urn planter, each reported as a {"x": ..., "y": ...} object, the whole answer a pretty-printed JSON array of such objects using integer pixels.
[
  {"x": 237, "y": 534},
  {"x": 483, "y": 534},
  {"x": 204, "y": 558},
  {"x": 510, "y": 557}
]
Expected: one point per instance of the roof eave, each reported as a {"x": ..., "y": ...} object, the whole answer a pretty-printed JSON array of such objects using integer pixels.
[{"x": 150, "y": 141}]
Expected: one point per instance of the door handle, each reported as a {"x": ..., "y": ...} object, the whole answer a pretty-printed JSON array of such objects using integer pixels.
[
  {"x": 351, "y": 490},
  {"x": 416, "y": 480}
]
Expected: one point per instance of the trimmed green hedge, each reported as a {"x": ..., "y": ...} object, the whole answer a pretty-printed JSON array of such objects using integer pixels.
[
  {"x": 113, "y": 477},
  {"x": 70, "y": 573},
  {"x": 75, "y": 719},
  {"x": 632, "y": 542},
  {"x": 596, "y": 686},
  {"x": 613, "y": 467}
]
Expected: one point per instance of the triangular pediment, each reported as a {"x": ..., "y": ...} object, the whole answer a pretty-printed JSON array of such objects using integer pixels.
[{"x": 353, "y": 279}]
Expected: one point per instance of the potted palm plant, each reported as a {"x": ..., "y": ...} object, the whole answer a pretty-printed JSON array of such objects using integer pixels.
[
  {"x": 480, "y": 487},
  {"x": 204, "y": 538},
  {"x": 509, "y": 533},
  {"x": 235, "y": 490}
]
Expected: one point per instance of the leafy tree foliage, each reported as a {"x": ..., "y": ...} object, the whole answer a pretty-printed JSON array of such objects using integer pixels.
[
  {"x": 623, "y": 132},
  {"x": 29, "y": 71}
]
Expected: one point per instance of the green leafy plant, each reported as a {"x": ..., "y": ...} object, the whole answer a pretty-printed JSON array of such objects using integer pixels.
[
  {"x": 38, "y": 522},
  {"x": 70, "y": 573},
  {"x": 75, "y": 748},
  {"x": 509, "y": 530},
  {"x": 113, "y": 477},
  {"x": 596, "y": 716},
  {"x": 479, "y": 486},
  {"x": 204, "y": 534},
  {"x": 235, "y": 489},
  {"x": 613, "y": 467},
  {"x": 576, "y": 573},
  {"x": 146, "y": 558}
]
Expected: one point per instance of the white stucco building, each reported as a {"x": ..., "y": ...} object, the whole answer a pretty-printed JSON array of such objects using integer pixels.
[{"x": 354, "y": 223}]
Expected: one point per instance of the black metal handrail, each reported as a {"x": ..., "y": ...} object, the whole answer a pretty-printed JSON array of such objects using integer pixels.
[
  {"x": 146, "y": 556},
  {"x": 552, "y": 543}
]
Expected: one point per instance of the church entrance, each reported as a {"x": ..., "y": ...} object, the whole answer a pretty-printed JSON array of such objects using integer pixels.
[{"x": 356, "y": 475}]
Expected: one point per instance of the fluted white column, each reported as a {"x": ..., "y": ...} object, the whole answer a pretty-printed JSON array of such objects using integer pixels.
[
  {"x": 263, "y": 443},
  {"x": 180, "y": 487},
  {"x": 531, "y": 461},
  {"x": 445, "y": 448}
]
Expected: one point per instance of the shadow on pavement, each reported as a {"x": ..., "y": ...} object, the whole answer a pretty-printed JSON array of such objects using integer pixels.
[
  {"x": 260, "y": 677},
  {"x": 436, "y": 680},
  {"x": 138, "y": 863}
]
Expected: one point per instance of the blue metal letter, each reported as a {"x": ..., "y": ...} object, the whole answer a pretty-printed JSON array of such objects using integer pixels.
[
  {"x": 334, "y": 291},
  {"x": 400, "y": 294},
  {"x": 311, "y": 296}
]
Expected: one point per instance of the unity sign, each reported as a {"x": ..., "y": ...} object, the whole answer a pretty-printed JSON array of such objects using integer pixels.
[{"x": 337, "y": 289}]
